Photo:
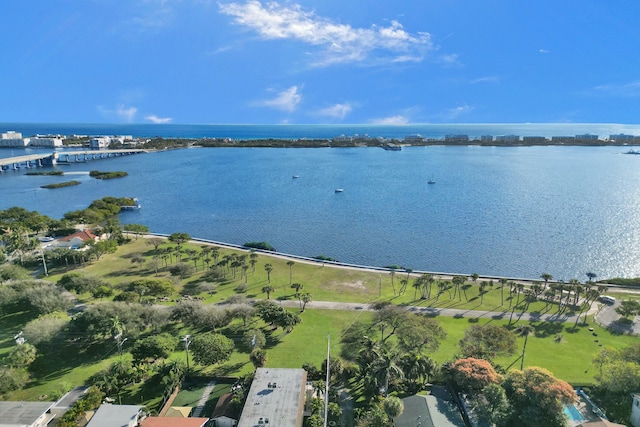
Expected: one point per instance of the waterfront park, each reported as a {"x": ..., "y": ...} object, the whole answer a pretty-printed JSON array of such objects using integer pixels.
[{"x": 157, "y": 274}]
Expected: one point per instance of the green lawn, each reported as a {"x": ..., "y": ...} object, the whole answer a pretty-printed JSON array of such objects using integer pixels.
[{"x": 565, "y": 351}]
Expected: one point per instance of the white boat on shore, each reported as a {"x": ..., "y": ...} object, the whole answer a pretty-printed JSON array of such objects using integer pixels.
[{"x": 339, "y": 190}]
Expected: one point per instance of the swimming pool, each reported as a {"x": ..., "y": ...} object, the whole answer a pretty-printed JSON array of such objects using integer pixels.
[{"x": 573, "y": 414}]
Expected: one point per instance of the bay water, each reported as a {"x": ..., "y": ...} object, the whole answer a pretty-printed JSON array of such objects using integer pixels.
[{"x": 499, "y": 211}]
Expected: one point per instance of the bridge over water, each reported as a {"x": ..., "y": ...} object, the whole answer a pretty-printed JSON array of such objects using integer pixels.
[{"x": 51, "y": 159}]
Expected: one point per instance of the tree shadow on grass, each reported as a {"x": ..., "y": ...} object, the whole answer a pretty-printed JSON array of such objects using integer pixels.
[
  {"x": 548, "y": 329},
  {"x": 228, "y": 369}
]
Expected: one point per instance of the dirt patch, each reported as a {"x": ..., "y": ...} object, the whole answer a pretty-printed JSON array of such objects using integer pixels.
[{"x": 358, "y": 284}]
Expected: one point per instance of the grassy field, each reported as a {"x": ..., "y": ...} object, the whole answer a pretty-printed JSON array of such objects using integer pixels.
[{"x": 561, "y": 348}]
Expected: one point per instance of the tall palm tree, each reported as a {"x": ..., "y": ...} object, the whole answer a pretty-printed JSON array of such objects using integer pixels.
[
  {"x": 268, "y": 268},
  {"x": 524, "y": 331},
  {"x": 385, "y": 369},
  {"x": 253, "y": 260},
  {"x": 503, "y": 282},
  {"x": 290, "y": 264},
  {"x": 591, "y": 276},
  {"x": 547, "y": 278},
  {"x": 267, "y": 290}
]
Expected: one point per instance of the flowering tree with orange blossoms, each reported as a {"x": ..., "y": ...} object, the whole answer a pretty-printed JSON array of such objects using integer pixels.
[
  {"x": 473, "y": 375},
  {"x": 537, "y": 397}
]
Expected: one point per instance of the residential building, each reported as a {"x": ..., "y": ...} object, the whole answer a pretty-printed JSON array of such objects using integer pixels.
[
  {"x": 25, "y": 414},
  {"x": 99, "y": 142},
  {"x": 173, "y": 422},
  {"x": 622, "y": 138},
  {"x": 276, "y": 398},
  {"x": 486, "y": 138},
  {"x": 47, "y": 141},
  {"x": 635, "y": 410},
  {"x": 223, "y": 415},
  {"x": 587, "y": 137},
  {"x": 75, "y": 240},
  {"x": 414, "y": 139},
  {"x": 508, "y": 139},
  {"x": 429, "y": 411},
  {"x": 13, "y": 139},
  {"x": 534, "y": 140},
  {"x": 109, "y": 415}
]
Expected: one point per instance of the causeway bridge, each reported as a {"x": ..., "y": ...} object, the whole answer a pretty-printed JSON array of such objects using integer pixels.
[{"x": 50, "y": 159}]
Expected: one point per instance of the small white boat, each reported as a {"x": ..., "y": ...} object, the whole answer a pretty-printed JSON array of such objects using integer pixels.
[
  {"x": 339, "y": 190},
  {"x": 296, "y": 176},
  {"x": 431, "y": 181}
]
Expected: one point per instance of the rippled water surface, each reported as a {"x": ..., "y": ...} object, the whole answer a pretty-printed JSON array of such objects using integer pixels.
[{"x": 514, "y": 212}]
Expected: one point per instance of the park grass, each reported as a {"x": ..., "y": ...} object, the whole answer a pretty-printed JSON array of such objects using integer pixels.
[{"x": 568, "y": 358}]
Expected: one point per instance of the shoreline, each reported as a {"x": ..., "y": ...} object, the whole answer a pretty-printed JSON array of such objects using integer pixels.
[{"x": 374, "y": 269}]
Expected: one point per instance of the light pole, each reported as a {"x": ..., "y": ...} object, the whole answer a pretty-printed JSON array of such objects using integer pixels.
[{"x": 187, "y": 341}]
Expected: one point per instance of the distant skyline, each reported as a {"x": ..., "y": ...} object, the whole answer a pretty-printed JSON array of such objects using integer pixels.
[{"x": 329, "y": 62}]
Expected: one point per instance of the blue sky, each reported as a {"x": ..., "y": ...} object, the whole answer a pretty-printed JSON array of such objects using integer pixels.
[{"x": 326, "y": 62}]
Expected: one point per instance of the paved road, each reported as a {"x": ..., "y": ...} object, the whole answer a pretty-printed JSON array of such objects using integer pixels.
[{"x": 604, "y": 314}]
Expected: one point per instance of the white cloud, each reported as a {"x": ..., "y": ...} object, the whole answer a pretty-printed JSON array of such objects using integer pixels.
[
  {"x": 487, "y": 79},
  {"x": 449, "y": 59},
  {"x": 630, "y": 89},
  {"x": 544, "y": 51},
  {"x": 120, "y": 112},
  {"x": 287, "y": 100},
  {"x": 338, "y": 43},
  {"x": 127, "y": 114},
  {"x": 337, "y": 111},
  {"x": 454, "y": 113},
  {"x": 392, "y": 120},
  {"x": 158, "y": 120}
]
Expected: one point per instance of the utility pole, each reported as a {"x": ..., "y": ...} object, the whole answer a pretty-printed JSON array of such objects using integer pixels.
[
  {"x": 187, "y": 341},
  {"x": 326, "y": 383}
]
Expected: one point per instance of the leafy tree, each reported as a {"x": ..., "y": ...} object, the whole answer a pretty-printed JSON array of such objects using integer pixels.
[
  {"x": 258, "y": 357},
  {"x": 537, "y": 397},
  {"x": 242, "y": 311},
  {"x": 254, "y": 338},
  {"x": 393, "y": 407},
  {"x": 487, "y": 341},
  {"x": 628, "y": 308},
  {"x": 21, "y": 356},
  {"x": 179, "y": 238},
  {"x": 287, "y": 320},
  {"x": 153, "y": 347},
  {"x": 45, "y": 298},
  {"x": 102, "y": 247},
  {"x": 136, "y": 229},
  {"x": 305, "y": 299},
  {"x": 473, "y": 375},
  {"x": 12, "y": 379},
  {"x": 102, "y": 291},
  {"x": 181, "y": 270},
  {"x": 13, "y": 272},
  {"x": 417, "y": 366},
  {"x": 154, "y": 287},
  {"x": 45, "y": 329},
  {"x": 374, "y": 417},
  {"x": 156, "y": 242},
  {"x": 211, "y": 348},
  {"x": 492, "y": 405}
]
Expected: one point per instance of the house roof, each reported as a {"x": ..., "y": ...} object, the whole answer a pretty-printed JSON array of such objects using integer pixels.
[
  {"x": 601, "y": 423},
  {"x": 223, "y": 407},
  {"x": 22, "y": 413},
  {"x": 179, "y": 411},
  {"x": 85, "y": 235},
  {"x": 429, "y": 411},
  {"x": 109, "y": 415},
  {"x": 275, "y": 394},
  {"x": 173, "y": 422}
]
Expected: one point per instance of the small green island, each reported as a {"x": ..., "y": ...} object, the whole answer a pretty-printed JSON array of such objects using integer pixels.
[
  {"x": 107, "y": 175},
  {"x": 50, "y": 173},
  {"x": 61, "y": 184}
]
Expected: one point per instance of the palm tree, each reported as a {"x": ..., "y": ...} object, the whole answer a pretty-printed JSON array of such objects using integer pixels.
[
  {"x": 591, "y": 276},
  {"x": 305, "y": 298},
  {"x": 392, "y": 273},
  {"x": 546, "y": 277},
  {"x": 253, "y": 260},
  {"x": 267, "y": 290},
  {"x": 503, "y": 282},
  {"x": 417, "y": 284},
  {"x": 268, "y": 268},
  {"x": 297, "y": 287},
  {"x": 524, "y": 331},
  {"x": 386, "y": 368},
  {"x": 483, "y": 286},
  {"x": 290, "y": 264},
  {"x": 393, "y": 407}
]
